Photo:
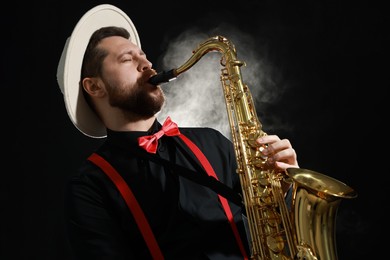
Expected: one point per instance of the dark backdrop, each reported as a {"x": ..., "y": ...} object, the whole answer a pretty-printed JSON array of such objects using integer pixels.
[{"x": 332, "y": 53}]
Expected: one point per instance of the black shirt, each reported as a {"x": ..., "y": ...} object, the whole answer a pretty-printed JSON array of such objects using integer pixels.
[{"x": 186, "y": 218}]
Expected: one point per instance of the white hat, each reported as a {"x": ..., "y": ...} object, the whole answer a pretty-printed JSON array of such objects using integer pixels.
[{"x": 69, "y": 67}]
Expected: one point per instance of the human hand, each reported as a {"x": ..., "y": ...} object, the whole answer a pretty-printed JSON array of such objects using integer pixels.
[{"x": 279, "y": 151}]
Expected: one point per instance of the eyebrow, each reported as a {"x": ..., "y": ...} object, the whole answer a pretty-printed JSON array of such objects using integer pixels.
[{"x": 130, "y": 52}]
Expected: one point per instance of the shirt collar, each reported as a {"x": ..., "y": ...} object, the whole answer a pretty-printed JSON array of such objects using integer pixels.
[{"x": 130, "y": 137}]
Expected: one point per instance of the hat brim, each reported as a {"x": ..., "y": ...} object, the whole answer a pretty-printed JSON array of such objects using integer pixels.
[{"x": 69, "y": 67}]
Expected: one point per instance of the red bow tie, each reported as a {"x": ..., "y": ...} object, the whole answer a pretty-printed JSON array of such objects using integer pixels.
[{"x": 149, "y": 142}]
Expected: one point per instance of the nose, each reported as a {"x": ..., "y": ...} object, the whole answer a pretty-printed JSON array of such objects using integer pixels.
[{"x": 144, "y": 64}]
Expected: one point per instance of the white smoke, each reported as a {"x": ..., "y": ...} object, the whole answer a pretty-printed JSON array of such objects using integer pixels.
[{"x": 196, "y": 97}]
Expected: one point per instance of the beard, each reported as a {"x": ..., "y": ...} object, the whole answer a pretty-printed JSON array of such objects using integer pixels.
[{"x": 137, "y": 99}]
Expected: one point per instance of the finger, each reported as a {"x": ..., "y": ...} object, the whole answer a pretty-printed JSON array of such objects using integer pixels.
[
  {"x": 287, "y": 156},
  {"x": 277, "y": 146},
  {"x": 282, "y": 153},
  {"x": 284, "y": 166},
  {"x": 280, "y": 145},
  {"x": 268, "y": 139}
]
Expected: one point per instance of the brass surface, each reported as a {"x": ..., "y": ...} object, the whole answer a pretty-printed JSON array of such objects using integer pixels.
[{"x": 304, "y": 231}]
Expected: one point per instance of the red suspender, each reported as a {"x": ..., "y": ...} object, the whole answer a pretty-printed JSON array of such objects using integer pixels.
[
  {"x": 131, "y": 202},
  {"x": 210, "y": 171},
  {"x": 137, "y": 212}
]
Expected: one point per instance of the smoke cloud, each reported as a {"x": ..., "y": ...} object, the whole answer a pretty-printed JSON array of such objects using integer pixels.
[{"x": 196, "y": 97}]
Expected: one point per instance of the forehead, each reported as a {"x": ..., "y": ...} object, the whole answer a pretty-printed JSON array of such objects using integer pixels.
[{"x": 118, "y": 44}]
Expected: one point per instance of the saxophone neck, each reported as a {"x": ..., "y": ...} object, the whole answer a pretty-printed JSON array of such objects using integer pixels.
[{"x": 216, "y": 43}]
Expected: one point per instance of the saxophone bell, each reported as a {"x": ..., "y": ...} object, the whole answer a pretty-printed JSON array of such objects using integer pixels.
[{"x": 163, "y": 77}]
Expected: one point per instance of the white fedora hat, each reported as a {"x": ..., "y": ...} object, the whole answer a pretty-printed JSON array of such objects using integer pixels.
[{"x": 69, "y": 67}]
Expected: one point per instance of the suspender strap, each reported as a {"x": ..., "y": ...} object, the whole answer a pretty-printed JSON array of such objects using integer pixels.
[
  {"x": 137, "y": 212},
  {"x": 132, "y": 204},
  {"x": 210, "y": 171}
]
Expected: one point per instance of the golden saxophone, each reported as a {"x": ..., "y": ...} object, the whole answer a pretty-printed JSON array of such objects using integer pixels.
[{"x": 306, "y": 229}]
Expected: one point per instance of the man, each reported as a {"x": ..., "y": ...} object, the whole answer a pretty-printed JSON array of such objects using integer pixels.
[{"x": 133, "y": 202}]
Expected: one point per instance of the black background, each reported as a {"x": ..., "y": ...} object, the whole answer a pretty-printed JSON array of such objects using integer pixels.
[{"x": 332, "y": 53}]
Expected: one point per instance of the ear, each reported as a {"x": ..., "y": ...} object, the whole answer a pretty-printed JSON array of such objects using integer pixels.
[{"x": 93, "y": 87}]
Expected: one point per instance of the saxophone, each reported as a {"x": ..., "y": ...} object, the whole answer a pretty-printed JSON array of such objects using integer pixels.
[{"x": 304, "y": 229}]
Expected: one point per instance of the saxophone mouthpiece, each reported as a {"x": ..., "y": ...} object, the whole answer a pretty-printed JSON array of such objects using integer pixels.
[{"x": 163, "y": 77}]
